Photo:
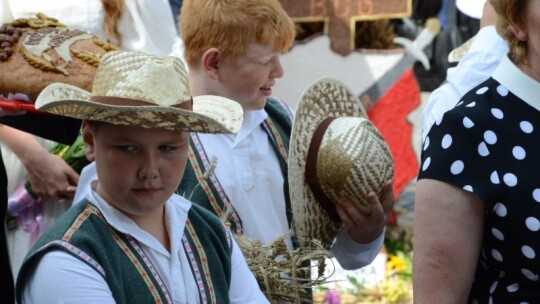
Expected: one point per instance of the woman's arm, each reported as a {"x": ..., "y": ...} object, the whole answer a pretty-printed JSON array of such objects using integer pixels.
[{"x": 448, "y": 227}]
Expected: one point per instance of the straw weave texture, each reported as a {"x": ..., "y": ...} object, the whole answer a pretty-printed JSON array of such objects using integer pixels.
[
  {"x": 353, "y": 158},
  {"x": 158, "y": 83}
]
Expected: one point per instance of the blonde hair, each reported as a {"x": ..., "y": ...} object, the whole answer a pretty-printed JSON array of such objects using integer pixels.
[
  {"x": 113, "y": 12},
  {"x": 510, "y": 13},
  {"x": 232, "y": 25}
]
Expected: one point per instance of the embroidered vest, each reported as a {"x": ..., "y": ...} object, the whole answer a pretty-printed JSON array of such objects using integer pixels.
[
  {"x": 207, "y": 191},
  {"x": 83, "y": 232}
]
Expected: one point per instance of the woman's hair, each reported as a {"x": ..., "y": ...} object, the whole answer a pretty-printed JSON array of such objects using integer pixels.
[
  {"x": 510, "y": 13},
  {"x": 232, "y": 25},
  {"x": 113, "y": 12}
]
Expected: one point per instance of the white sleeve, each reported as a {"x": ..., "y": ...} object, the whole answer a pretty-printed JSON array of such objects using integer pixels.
[
  {"x": 352, "y": 255},
  {"x": 148, "y": 26},
  {"x": 484, "y": 55},
  {"x": 62, "y": 278},
  {"x": 244, "y": 288}
]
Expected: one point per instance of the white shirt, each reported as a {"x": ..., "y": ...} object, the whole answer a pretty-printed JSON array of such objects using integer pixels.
[
  {"x": 62, "y": 278},
  {"x": 249, "y": 172},
  {"x": 145, "y": 25},
  {"x": 484, "y": 55}
]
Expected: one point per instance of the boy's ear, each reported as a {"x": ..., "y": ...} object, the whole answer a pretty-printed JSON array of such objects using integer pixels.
[
  {"x": 88, "y": 134},
  {"x": 210, "y": 62}
]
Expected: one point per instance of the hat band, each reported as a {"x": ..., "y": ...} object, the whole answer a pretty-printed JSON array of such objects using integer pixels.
[
  {"x": 121, "y": 101},
  {"x": 310, "y": 172}
]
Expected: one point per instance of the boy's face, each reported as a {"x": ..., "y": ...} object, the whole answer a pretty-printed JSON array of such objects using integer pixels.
[
  {"x": 138, "y": 168},
  {"x": 250, "y": 79}
]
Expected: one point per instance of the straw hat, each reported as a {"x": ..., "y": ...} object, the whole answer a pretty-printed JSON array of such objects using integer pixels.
[
  {"x": 132, "y": 88},
  {"x": 334, "y": 150}
]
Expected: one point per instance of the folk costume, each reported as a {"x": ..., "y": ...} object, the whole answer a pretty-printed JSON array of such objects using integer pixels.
[{"x": 96, "y": 253}]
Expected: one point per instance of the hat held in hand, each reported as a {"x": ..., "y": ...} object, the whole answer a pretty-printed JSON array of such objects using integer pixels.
[
  {"x": 138, "y": 89},
  {"x": 334, "y": 151}
]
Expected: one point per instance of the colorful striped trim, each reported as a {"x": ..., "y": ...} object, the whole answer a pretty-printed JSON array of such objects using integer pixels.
[
  {"x": 203, "y": 278},
  {"x": 151, "y": 267},
  {"x": 79, "y": 253},
  {"x": 215, "y": 182},
  {"x": 276, "y": 137},
  {"x": 91, "y": 209}
]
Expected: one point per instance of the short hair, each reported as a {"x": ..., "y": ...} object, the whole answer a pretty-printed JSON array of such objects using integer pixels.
[
  {"x": 510, "y": 13},
  {"x": 233, "y": 25}
]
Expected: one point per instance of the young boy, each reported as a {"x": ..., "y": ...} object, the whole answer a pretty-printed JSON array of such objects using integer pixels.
[
  {"x": 132, "y": 240},
  {"x": 232, "y": 49}
]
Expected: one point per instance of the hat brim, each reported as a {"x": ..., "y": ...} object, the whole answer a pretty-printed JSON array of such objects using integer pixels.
[
  {"x": 210, "y": 114},
  {"x": 324, "y": 98}
]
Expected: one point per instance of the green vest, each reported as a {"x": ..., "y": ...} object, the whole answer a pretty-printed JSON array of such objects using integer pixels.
[
  {"x": 207, "y": 191},
  {"x": 83, "y": 232}
]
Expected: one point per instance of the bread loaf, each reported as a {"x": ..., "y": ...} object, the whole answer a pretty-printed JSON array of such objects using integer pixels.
[{"x": 35, "y": 52}]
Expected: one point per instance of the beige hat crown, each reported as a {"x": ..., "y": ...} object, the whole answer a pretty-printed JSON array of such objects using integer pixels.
[
  {"x": 133, "y": 88},
  {"x": 335, "y": 150}
]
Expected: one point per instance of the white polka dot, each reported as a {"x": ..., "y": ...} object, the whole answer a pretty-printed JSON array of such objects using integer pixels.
[
  {"x": 519, "y": 153},
  {"x": 523, "y": 302},
  {"x": 439, "y": 120},
  {"x": 482, "y": 90},
  {"x": 426, "y": 164},
  {"x": 490, "y": 300},
  {"x": 497, "y": 234},
  {"x": 471, "y": 105},
  {"x": 500, "y": 209},
  {"x": 513, "y": 287},
  {"x": 510, "y": 179},
  {"x": 483, "y": 149},
  {"x": 529, "y": 275},
  {"x": 468, "y": 123},
  {"x": 495, "y": 178},
  {"x": 493, "y": 287},
  {"x": 457, "y": 167},
  {"x": 536, "y": 195},
  {"x": 532, "y": 223},
  {"x": 526, "y": 127},
  {"x": 446, "y": 141},
  {"x": 468, "y": 188},
  {"x": 497, "y": 113},
  {"x": 502, "y": 90},
  {"x": 496, "y": 255},
  {"x": 528, "y": 252},
  {"x": 459, "y": 103},
  {"x": 490, "y": 137},
  {"x": 426, "y": 143}
]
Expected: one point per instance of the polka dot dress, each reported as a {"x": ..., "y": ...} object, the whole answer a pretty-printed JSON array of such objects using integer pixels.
[{"x": 489, "y": 144}]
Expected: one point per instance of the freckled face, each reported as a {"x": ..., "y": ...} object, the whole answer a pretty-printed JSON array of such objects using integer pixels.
[
  {"x": 138, "y": 168},
  {"x": 249, "y": 81}
]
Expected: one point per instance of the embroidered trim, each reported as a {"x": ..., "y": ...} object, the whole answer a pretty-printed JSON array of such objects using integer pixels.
[
  {"x": 78, "y": 252},
  {"x": 192, "y": 235},
  {"x": 151, "y": 267},
  {"x": 215, "y": 182},
  {"x": 91, "y": 209},
  {"x": 276, "y": 137}
]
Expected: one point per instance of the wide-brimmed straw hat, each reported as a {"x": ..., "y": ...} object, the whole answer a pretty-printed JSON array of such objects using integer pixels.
[
  {"x": 133, "y": 88},
  {"x": 334, "y": 151}
]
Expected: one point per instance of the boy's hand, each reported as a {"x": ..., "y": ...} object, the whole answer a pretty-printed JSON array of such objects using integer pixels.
[{"x": 366, "y": 228}]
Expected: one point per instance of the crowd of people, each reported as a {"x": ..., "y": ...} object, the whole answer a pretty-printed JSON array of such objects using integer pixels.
[{"x": 193, "y": 82}]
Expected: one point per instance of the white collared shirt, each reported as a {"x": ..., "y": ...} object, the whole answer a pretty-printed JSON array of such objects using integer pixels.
[{"x": 69, "y": 280}]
